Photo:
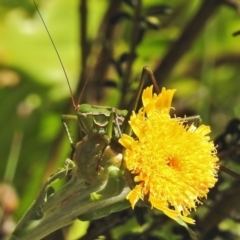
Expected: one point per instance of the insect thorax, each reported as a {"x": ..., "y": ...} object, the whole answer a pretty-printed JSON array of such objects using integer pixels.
[{"x": 96, "y": 119}]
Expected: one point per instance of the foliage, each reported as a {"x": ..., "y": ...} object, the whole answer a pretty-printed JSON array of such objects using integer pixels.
[{"x": 107, "y": 44}]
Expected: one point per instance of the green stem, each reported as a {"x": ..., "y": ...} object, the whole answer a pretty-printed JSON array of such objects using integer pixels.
[{"x": 64, "y": 207}]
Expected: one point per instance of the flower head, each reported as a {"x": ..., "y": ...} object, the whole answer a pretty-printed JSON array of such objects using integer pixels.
[{"x": 174, "y": 164}]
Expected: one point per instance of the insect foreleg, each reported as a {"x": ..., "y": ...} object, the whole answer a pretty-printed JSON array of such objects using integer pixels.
[
  {"x": 113, "y": 186},
  {"x": 195, "y": 120},
  {"x": 66, "y": 118},
  {"x": 117, "y": 123}
]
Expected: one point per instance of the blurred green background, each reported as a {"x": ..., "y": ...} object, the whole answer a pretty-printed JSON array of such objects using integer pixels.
[{"x": 34, "y": 91}]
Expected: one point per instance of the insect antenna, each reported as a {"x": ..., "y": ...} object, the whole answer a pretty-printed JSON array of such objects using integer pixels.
[
  {"x": 153, "y": 79},
  {"x": 58, "y": 55},
  {"x": 82, "y": 90}
]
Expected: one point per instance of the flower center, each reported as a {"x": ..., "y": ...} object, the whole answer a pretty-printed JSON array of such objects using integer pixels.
[{"x": 174, "y": 163}]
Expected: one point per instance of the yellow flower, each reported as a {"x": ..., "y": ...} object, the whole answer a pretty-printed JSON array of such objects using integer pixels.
[{"x": 173, "y": 164}]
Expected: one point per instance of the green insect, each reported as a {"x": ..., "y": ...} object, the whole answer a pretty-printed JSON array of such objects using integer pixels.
[
  {"x": 100, "y": 128},
  {"x": 97, "y": 154}
]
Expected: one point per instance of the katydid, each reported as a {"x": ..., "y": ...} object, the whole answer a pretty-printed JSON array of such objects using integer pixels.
[{"x": 101, "y": 127}]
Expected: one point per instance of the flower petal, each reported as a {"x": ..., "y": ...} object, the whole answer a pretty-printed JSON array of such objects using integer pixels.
[
  {"x": 126, "y": 141},
  {"x": 173, "y": 164}
]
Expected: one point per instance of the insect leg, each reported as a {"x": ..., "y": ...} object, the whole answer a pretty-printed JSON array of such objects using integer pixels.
[
  {"x": 68, "y": 163},
  {"x": 66, "y": 118},
  {"x": 146, "y": 72}
]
